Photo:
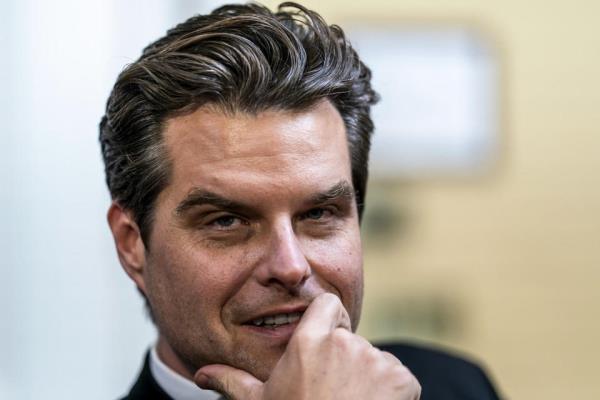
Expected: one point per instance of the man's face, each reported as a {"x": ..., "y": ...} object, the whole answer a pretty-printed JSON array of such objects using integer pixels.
[{"x": 258, "y": 219}]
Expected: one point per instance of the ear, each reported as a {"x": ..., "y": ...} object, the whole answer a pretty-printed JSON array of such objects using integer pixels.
[{"x": 129, "y": 244}]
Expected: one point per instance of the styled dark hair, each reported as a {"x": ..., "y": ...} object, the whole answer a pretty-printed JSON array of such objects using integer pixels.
[{"x": 240, "y": 58}]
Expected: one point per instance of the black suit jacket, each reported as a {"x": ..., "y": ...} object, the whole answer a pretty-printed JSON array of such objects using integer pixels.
[{"x": 442, "y": 376}]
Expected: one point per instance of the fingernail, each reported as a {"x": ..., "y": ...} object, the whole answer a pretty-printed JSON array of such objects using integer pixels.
[{"x": 202, "y": 380}]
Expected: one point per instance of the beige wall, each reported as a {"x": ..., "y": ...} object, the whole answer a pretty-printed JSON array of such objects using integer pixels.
[{"x": 505, "y": 267}]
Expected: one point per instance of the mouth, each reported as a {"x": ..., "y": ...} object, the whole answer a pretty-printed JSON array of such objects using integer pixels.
[
  {"x": 275, "y": 321},
  {"x": 280, "y": 322}
]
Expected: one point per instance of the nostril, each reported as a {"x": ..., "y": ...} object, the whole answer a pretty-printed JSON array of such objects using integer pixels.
[{"x": 288, "y": 280}]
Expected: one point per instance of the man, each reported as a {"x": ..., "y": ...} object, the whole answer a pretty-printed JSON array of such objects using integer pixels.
[{"x": 236, "y": 155}]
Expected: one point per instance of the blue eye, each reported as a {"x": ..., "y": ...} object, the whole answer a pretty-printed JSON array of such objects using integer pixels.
[
  {"x": 225, "y": 221},
  {"x": 224, "y": 226},
  {"x": 315, "y": 213}
]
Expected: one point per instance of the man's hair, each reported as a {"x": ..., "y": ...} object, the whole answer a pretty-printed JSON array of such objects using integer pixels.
[{"x": 240, "y": 58}]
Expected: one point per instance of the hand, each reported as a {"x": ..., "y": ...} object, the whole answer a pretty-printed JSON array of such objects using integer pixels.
[{"x": 323, "y": 360}]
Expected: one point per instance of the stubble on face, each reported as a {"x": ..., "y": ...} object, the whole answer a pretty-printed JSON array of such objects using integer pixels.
[{"x": 263, "y": 234}]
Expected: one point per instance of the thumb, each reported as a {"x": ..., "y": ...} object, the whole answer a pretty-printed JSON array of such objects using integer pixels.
[{"x": 234, "y": 383}]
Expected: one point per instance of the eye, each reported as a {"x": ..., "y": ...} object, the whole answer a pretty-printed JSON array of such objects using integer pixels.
[
  {"x": 317, "y": 213},
  {"x": 226, "y": 222}
]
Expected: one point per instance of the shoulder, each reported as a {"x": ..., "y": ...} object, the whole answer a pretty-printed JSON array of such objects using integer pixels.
[{"x": 443, "y": 375}]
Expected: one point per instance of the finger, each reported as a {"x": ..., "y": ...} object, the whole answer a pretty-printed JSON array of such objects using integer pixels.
[
  {"x": 323, "y": 315},
  {"x": 232, "y": 382}
]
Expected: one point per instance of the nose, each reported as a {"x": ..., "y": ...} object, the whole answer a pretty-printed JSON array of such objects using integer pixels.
[{"x": 285, "y": 263}]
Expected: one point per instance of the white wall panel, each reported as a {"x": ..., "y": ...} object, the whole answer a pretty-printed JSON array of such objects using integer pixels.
[{"x": 71, "y": 321}]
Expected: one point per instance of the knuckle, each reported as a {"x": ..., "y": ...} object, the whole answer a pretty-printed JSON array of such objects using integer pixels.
[
  {"x": 302, "y": 338},
  {"x": 417, "y": 389},
  {"x": 340, "y": 337},
  {"x": 304, "y": 343},
  {"x": 391, "y": 359},
  {"x": 373, "y": 354},
  {"x": 404, "y": 378}
]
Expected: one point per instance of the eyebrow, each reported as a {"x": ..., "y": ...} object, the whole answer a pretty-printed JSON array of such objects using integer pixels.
[
  {"x": 198, "y": 197},
  {"x": 341, "y": 190}
]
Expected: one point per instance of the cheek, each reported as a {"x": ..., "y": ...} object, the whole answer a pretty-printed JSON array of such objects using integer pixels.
[
  {"x": 341, "y": 252},
  {"x": 182, "y": 283},
  {"x": 190, "y": 275},
  {"x": 338, "y": 262}
]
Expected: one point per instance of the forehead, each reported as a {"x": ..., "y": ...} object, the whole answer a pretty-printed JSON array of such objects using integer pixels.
[
  {"x": 213, "y": 150},
  {"x": 225, "y": 135}
]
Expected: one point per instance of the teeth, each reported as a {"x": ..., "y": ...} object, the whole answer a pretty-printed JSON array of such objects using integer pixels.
[
  {"x": 277, "y": 320},
  {"x": 293, "y": 317}
]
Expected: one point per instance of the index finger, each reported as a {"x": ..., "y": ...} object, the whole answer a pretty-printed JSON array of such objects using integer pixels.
[{"x": 323, "y": 315}]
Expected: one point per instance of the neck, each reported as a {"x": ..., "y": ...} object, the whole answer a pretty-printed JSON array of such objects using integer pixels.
[{"x": 168, "y": 356}]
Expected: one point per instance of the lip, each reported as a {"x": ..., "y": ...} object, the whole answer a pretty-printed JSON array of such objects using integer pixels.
[
  {"x": 275, "y": 336},
  {"x": 280, "y": 335},
  {"x": 287, "y": 309}
]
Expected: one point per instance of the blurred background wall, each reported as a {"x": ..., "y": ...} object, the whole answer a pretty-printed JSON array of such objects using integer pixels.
[{"x": 502, "y": 265}]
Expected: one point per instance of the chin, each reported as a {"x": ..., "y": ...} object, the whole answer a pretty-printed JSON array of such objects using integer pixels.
[{"x": 260, "y": 366}]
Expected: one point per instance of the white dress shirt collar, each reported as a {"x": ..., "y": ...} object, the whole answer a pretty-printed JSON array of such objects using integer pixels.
[{"x": 175, "y": 385}]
